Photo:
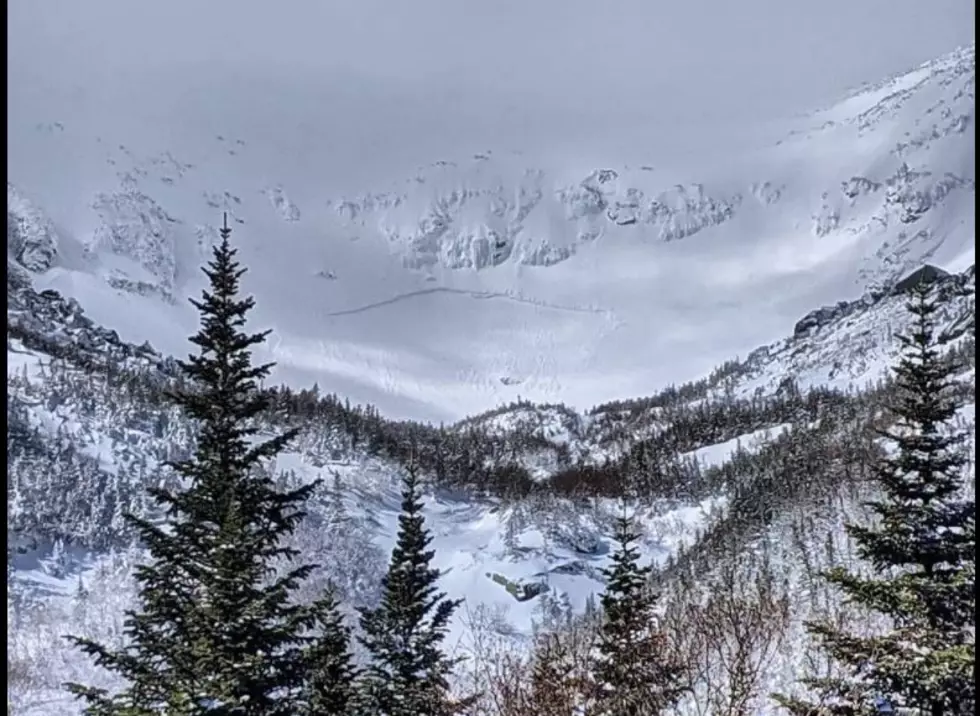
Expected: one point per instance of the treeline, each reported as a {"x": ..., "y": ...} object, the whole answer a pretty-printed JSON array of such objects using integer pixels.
[
  {"x": 490, "y": 461},
  {"x": 625, "y": 447},
  {"x": 56, "y": 491}
]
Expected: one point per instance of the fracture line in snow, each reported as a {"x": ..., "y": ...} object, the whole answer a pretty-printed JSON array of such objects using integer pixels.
[{"x": 471, "y": 294}]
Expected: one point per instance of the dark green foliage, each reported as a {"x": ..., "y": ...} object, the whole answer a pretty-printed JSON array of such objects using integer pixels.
[
  {"x": 409, "y": 674},
  {"x": 469, "y": 455},
  {"x": 922, "y": 548},
  {"x": 331, "y": 684},
  {"x": 217, "y": 630},
  {"x": 635, "y": 674}
]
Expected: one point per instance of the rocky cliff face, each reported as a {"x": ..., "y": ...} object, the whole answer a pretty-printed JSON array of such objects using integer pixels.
[
  {"x": 45, "y": 321},
  {"x": 945, "y": 283},
  {"x": 32, "y": 240},
  {"x": 135, "y": 227},
  {"x": 460, "y": 218}
]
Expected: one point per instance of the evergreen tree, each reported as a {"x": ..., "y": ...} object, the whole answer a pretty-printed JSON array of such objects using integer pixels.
[
  {"x": 635, "y": 673},
  {"x": 409, "y": 674},
  {"x": 922, "y": 548},
  {"x": 331, "y": 683},
  {"x": 556, "y": 679},
  {"x": 217, "y": 630}
]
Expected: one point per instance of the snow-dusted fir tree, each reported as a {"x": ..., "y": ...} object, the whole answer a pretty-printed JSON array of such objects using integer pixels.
[
  {"x": 635, "y": 672},
  {"x": 923, "y": 550},
  {"x": 216, "y": 631},
  {"x": 409, "y": 674},
  {"x": 332, "y": 679}
]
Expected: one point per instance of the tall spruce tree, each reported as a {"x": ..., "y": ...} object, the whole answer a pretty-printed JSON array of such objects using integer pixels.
[
  {"x": 216, "y": 630},
  {"x": 409, "y": 674},
  {"x": 923, "y": 551},
  {"x": 635, "y": 673}
]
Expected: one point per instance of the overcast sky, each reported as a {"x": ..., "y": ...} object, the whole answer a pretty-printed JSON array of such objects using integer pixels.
[{"x": 462, "y": 72}]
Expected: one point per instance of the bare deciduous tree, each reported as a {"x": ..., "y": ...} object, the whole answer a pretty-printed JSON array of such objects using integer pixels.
[
  {"x": 549, "y": 679},
  {"x": 729, "y": 636}
]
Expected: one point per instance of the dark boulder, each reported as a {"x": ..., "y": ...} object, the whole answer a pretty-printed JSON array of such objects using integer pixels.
[{"x": 926, "y": 274}]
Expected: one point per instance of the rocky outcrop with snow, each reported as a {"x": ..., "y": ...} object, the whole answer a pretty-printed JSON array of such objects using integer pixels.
[
  {"x": 32, "y": 240},
  {"x": 287, "y": 210},
  {"x": 854, "y": 341},
  {"x": 826, "y": 315},
  {"x": 884, "y": 169},
  {"x": 135, "y": 227},
  {"x": 46, "y": 321},
  {"x": 463, "y": 220}
]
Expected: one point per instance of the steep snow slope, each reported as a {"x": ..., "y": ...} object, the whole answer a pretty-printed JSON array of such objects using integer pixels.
[
  {"x": 485, "y": 211},
  {"x": 493, "y": 276}
]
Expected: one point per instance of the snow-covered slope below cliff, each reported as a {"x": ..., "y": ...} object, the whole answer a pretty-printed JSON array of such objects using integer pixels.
[{"x": 493, "y": 276}]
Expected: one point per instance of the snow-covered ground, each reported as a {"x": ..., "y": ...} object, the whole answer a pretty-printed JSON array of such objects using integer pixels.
[{"x": 720, "y": 453}]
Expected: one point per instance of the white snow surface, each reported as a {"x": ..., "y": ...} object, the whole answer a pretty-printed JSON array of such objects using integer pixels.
[
  {"x": 720, "y": 453},
  {"x": 494, "y": 270}
]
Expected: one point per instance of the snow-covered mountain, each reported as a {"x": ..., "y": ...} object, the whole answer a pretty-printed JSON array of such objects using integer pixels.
[
  {"x": 873, "y": 166},
  {"x": 711, "y": 322},
  {"x": 536, "y": 281}
]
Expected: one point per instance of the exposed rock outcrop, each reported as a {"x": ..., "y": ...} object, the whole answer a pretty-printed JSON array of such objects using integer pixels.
[
  {"x": 32, "y": 240},
  {"x": 520, "y": 590},
  {"x": 926, "y": 274},
  {"x": 46, "y": 321},
  {"x": 134, "y": 226}
]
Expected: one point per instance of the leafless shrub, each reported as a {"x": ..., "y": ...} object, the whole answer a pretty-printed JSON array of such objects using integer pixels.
[
  {"x": 729, "y": 636},
  {"x": 547, "y": 677}
]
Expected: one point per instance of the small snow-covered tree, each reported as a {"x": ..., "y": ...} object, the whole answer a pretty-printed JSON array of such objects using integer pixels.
[
  {"x": 636, "y": 673},
  {"x": 409, "y": 674}
]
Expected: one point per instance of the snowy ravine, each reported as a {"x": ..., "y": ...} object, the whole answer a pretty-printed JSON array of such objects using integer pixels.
[
  {"x": 567, "y": 318},
  {"x": 84, "y": 448}
]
